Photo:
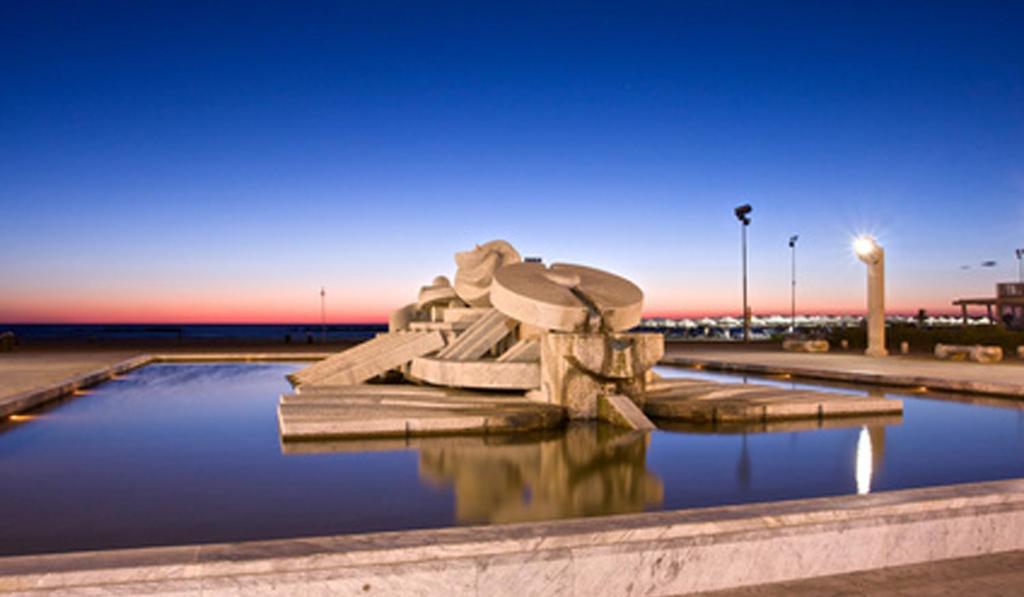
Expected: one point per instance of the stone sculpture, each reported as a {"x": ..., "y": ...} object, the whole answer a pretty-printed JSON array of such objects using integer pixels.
[
  {"x": 557, "y": 333},
  {"x": 477, "y": 267},
  {"x": 522, "y": 346}
]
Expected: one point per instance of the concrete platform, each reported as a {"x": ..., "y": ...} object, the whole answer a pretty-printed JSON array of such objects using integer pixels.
[
  {"x": 32, "y": 378},
  {"x": 708, "y": 402},
  {"x": 378, "y": 410},
  {"x": 84, "y": 373},
  {"x": 1006, "y": 379}
]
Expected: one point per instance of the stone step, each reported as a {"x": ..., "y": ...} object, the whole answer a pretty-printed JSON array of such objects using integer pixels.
[
  {"x": 340, "y": 360},
  {"x": 370, "y": 359},
  {"x": 524, "y": 351},
  {"x": 478, "y": 338}
]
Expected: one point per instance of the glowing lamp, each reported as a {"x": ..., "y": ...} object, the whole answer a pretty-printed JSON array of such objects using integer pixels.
[{"x": 866, "y": 249}]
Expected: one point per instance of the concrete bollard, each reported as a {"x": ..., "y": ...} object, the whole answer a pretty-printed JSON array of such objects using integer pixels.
[
  {"x": 6, "y": 341},
  {"x": 1020, "y": 351},
  {"x": 904, "y": 347},
  {"x": 795, "y": 345},
  {"x": 977, "y": 353},
  {"x": 844, "y": 344},
  {"x": 987, "y": 354}
]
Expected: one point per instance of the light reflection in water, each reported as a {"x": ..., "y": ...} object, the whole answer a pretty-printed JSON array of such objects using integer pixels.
[
  {"x": 864, "y": 462},
  {"x": 870, "y": 455}
]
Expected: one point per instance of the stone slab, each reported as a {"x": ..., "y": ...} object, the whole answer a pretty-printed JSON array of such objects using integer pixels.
[
  {"x": 708, "y": 402},
  {"x": 999, "y": 380},
  {"x": 526, "y": 350},
  {"x": 465, "y": 315},
  {"x": 485, "y": 375},
  {"x": 354, "y": 412},
  {"x": 778, "y": 425},
  {"x": 370, "y": 359},
  {"x": 566, "y": 297},
  {"x": 478, "y": 338},
  {"x": 619, "y": 410},
  {"x": 663, "y": 553}
]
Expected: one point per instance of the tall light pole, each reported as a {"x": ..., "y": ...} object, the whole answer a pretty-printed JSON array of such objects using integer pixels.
[
  {"x": 1020, "y": 265},
  {"x": 742, "y": 214},
  {"x": 792, "y": 283},
  {"x": 873, "y": 255},
  {"x": 323, "y": 315}
]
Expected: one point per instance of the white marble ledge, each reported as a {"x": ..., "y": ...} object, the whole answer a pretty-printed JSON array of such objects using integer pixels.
[{"x": 649, "y": 550}]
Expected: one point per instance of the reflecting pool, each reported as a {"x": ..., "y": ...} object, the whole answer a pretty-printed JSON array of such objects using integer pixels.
[{"x": 183, "y": 453}]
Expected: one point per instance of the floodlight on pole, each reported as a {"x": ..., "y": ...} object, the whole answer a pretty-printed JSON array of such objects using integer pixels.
[
  {"x": 792, "y": 282},
  {"x": 743, "y": 215},
  {"x": 872, "y": 254},
  {"x": 1020, "y": 265}
]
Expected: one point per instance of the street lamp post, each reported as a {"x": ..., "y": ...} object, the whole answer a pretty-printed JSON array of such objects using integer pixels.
[
  {"x": 873, "y": 255},
  {"x": 743, "y": 215},
  {"x": 323, "y": 315},
  {"x": 1020, "y": 265},
  {"x": 792, "y": 283}
]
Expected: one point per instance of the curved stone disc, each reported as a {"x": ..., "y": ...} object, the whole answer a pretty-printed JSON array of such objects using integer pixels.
[
  {"x": 436, "y": 294},
  {"x": 476, "y": 269},
  {"x": 566, "y": 297}
]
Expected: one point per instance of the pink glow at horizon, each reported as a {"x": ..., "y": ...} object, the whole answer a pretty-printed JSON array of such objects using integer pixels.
[{"x": 224, "y": 310}]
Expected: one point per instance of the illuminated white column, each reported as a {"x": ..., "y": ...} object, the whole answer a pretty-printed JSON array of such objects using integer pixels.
[{"x": 873, "y": 255}]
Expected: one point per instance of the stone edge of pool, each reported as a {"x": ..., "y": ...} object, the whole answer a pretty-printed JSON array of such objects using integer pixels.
[
  {"x": 673, "y": 552},
  {"x": 988, "y": 388},
  {"x": 29, "y": 399}
]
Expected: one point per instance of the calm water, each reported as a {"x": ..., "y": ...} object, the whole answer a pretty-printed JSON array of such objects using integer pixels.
[{"x": 190, "y": 453}]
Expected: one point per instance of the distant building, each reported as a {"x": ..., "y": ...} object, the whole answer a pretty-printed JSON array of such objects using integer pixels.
[{"x": 1005, "y": 309}]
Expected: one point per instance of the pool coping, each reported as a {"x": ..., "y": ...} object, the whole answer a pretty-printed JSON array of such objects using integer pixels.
[
  {"x": 671, "y": 552},
  {"x": 932, "y": 383},
  {"x": 29, "y": 399}
]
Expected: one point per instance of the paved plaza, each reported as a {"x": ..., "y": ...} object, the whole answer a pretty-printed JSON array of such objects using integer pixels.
[{"x": 999, "y": 574}]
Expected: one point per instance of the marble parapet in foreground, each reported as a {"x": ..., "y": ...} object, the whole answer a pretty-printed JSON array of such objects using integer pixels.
[{"x": 665, "y": 553}]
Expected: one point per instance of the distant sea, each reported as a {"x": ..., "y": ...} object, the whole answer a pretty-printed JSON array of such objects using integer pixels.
[{"x": 298, "y": 333}]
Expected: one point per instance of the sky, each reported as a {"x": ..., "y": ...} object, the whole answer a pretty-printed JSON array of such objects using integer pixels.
[{"x": 221, "y": 161}]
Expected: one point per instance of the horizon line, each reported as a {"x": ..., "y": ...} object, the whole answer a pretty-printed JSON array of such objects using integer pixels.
[{"x": 385, "y": 322}]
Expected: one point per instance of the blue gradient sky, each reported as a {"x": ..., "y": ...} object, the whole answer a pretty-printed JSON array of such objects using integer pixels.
[{"x": 168, "y": 161}]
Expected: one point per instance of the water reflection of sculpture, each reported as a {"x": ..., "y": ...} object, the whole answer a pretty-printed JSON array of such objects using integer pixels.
[{"x": 591, "y": 471}]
